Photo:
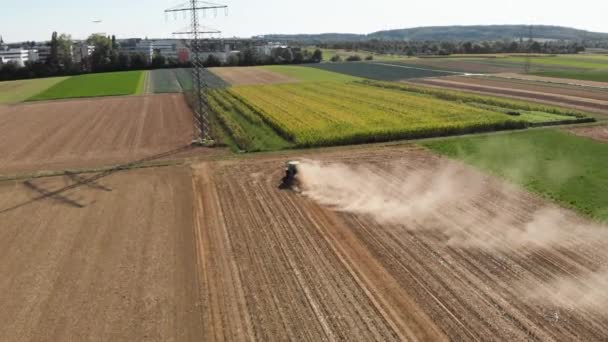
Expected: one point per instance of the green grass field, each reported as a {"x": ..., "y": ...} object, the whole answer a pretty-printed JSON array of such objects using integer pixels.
[
  {"x": 18, "y": 91},
  {"x": 569, "y": 169},
  {"x": 94, "y": 85},
  {"x": 306, "y": 74}
]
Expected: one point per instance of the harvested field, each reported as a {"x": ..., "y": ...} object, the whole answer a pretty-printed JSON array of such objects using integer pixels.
[
  {"x": 543, "y": 79},
  {"x": 90, "y": 133},
  {"x": 111, "y": 260},
  {"x": 474, "y": 66},
  {"x": 593, "y": 100},
  {"x": 381, "y": 71},
  {"x": 596, "y": 132},
  {"x": 357, "y": 257},
  {"x": 251, "y": 75}
]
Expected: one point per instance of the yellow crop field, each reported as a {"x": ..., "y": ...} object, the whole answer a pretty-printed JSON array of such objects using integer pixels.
[{"x": 315, "y": 114}]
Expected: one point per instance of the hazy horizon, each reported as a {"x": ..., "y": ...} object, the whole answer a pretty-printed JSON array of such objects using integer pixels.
[{"x": 36, "y": 20}]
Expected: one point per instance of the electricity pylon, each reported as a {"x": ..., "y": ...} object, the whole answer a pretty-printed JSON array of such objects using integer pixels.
[{"x": 196, "y": 31}]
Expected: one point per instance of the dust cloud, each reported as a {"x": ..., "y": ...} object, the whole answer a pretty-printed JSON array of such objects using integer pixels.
[{"x": 471, "y": 210}]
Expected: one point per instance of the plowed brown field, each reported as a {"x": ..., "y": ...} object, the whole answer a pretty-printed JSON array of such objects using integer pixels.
[
  {"x": 111, "y": 260},
  {"x": 251, "y": 75},
  {"x": 92, "y": 132},
  {"x": 455, "y": 255},
  {"x": 583, "y": 98}
]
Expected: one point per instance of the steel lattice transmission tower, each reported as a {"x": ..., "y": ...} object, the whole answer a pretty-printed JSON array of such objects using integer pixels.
[{"x": 196, "y": 32}]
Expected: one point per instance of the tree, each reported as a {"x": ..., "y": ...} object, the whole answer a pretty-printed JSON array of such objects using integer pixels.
[
  {"x": 233, "y": 60},
  {"x": 53, "y": 58},
  {"x": 317, "y": 56},
  {"x": 158, "y": 61},
  {"x": 369, "y": 58},
  {"x": 100, "y": 58},
  {"x": 139, "y": 61},
  {"x": 248, "y": 57},
  {"x": 287, "y": 55},
  {"x": 353, "y": 58},
  {"x": 336, "y": 58},
  {"x": 64, "y": 51},
  {"x": 298, "y": 57},
  {"x": 123, "y": 62},
  {"x": 212, "y": 61}
]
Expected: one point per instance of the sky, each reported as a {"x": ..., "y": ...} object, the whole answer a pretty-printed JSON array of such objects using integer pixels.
[{"x": 37, "y": 19}]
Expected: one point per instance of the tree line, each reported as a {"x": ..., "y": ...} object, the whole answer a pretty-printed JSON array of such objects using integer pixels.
[
  {"x": 107, "y": 56},
  {"x": 421, "y": 48}
]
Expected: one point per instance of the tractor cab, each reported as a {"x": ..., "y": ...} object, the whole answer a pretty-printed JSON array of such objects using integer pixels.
[{"x": 289, "y": 181}]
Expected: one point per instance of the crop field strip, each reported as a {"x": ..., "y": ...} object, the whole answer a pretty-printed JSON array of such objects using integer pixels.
[
  {"x": 251, "y": 75},
  {"x": 330, "y": 113},
  {"x": 95, "y": 85},
  {"x": 354, "y": 278},
  {"x": 380, "y": 71},
  {"x": 60, "y": 134},
  {"x": 325, "y": 114},
  {"x": 179, "y": 80},
  {"x": 585, "y": 99},
  {"x": 18, "y": 91}
]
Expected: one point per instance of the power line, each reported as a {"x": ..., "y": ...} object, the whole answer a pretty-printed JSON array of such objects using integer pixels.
[{"x": 196, "y": 31}]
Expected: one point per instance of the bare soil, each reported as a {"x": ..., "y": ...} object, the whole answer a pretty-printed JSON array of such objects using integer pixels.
[
  {"x": 92, "y": 132},
  {"x": 599, "y": 133},
  {"x": 277, "y": 265},
  {"x": 251, "y": 75},
  {"x": 109, "y": 260},
  {"x": 593, "y": 100}
]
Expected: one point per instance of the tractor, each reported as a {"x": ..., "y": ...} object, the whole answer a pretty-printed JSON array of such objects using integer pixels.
[{"x": 290, "y": 181}]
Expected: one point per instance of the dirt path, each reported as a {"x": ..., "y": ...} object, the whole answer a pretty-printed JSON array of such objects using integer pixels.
[
  {"x": 92, "y": 132},
  {"x": 278, "y": 265},
  {"x": 251, "y": 75},
  {"x": 112, "y": 260}
]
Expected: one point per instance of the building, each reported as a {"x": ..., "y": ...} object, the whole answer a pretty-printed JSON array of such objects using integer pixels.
[
  {"x": 168, "y": 48},
  {"x": 19, "y": 56},
  {"x": 81, "y": 50}
]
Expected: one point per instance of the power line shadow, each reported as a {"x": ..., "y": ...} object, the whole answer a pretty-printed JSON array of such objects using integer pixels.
[{"x": 80, "y": 181}]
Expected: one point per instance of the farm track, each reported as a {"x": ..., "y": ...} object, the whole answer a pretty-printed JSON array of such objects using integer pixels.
[
  {"x": 91, "y": 132},
  {"x": 110, "y": 260},
  {"x": 585, "y": 99},
  {"x": 277, "y": 265}
]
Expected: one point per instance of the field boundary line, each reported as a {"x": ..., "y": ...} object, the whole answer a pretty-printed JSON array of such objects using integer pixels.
[{"x": 426, "y": 69}]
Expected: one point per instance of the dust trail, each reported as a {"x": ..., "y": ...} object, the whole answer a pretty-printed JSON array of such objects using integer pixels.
[
  {"x": 471, "y": 211},
  {"x": 445, "y": 197}
]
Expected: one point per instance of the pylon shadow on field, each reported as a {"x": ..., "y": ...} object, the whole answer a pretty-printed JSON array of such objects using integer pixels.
[{"x": 91, "y": 182}]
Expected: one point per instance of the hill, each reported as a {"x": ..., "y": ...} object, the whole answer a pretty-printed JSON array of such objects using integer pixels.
[{"x": 454, "y": 33}]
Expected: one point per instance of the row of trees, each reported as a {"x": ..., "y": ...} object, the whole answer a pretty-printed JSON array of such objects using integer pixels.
[
  {"x": 416, "y": 48},
  {"x": 108, "y": 56}
]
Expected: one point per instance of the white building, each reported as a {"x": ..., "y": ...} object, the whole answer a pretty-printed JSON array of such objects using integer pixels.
[
  {"x": 18, "y": 56},
  {"x": 81, "y": 51}
]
